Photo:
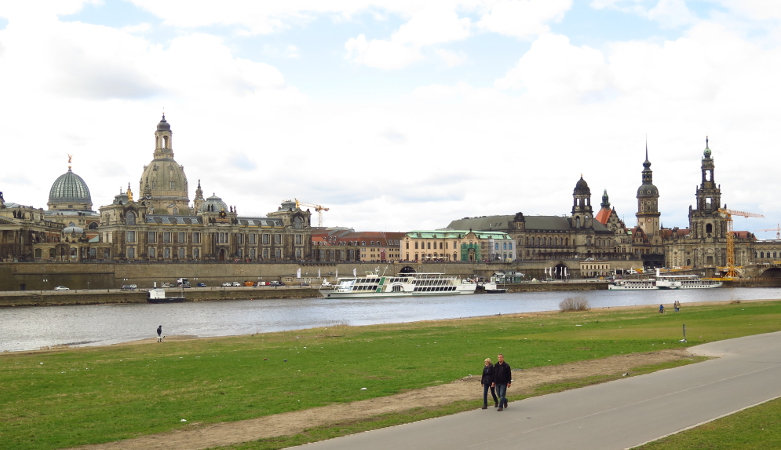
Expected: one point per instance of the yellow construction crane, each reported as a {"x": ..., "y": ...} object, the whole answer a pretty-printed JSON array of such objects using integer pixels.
[
  {"x": 728, "y": 213},
  {"x": 777, "y": 229},
  {"x": 318, "y": 208}
]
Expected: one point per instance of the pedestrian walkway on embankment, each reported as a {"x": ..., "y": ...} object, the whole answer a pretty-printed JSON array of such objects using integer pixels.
[{"x": 620, "y": 414}]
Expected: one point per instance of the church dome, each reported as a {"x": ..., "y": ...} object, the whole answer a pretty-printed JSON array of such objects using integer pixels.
[
  {"x": 163, "y": 125},
  {"x": 163, "y": 184},
  {"x": 581, "y": 187},
  {"x": 647, "y": 190},
  {"x": 70, "y": 189},
  {"x": 213, "y": 204}
]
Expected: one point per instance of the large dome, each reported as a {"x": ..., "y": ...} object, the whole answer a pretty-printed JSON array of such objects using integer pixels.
[{"x": 69, "y": 191}]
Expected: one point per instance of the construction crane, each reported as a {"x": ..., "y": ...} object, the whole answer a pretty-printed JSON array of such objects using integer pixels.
[
  {"x": 318, "y": 208},
  {"x": 728, "y": 213},
  {"x": 777, "y": 229}
]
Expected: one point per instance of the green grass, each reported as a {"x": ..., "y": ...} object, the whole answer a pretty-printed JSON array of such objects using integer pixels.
[
  {"x": 753, "y": 428},
  {"x": 91, "y": 395}
]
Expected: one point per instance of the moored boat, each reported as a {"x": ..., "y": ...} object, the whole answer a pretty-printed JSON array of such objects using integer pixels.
[
  {"x": 157, "y": 295},
  {"x": 403, "y": 284},
  {"x": 632, "y": 284}
]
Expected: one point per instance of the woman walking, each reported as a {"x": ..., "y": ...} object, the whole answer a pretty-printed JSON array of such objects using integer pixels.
[{"x": 487, "y": 380}]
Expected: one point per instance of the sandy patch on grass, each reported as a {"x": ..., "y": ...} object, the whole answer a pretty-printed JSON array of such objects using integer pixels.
[{"x": 290, "y": 423}]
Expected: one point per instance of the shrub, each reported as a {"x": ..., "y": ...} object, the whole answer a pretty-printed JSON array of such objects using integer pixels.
[{"x": 574, "y": 304}]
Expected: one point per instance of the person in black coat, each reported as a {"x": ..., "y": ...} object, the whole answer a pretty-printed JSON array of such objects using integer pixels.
[
  {"x": 503, "y": 377},
  {"x": 488, "y": 383},
  {"x": 160, "y": 333}
]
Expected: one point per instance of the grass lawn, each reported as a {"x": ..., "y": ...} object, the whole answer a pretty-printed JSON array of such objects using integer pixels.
[
  {"x": 753, "y": 428},
  {"x": 91, "y": 395}
]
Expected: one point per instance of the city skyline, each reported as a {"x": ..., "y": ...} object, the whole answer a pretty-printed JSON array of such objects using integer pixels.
[{"x": 395, "y": 116}]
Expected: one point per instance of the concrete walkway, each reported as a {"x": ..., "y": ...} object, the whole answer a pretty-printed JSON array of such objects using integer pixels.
[{"x": 614, "y": 415}]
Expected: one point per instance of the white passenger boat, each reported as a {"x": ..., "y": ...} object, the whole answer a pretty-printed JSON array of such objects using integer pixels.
[
  {"x": 403, "y": 284},
  {"x": 664, "y": 282},
  {"x": 685, "y": 282},
  {"x": 632, "y": 284}
]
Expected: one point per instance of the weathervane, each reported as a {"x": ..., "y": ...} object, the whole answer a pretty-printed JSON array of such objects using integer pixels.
[{"x": 70, "y": 157}]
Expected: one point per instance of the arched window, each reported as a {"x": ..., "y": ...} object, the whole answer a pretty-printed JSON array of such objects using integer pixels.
[
  {"x": 709, "y": 228},
  {"x": 130, "y": 218}
]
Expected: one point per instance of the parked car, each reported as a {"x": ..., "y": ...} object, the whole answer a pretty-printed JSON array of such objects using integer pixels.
[
  {"x": 276, "y": 283},
  {"x": 227, "y": 284},
  {"x": 236, "y": 284},
  {"x": 201, "y": 284},
  {"x": 129, "y": 287},
  {"x": 61, "y": 288},
  {"x": 166, "y": 284}
]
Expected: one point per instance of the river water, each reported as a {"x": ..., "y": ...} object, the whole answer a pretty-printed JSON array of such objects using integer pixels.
[{"x": 30, "y": 328}]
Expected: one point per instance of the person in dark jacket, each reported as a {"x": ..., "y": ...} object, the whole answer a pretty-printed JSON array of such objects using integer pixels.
[
  {"x": 160, "y": 333},
  {"x": 488, "y": 383},
  {"x": 503, "y": 377}
]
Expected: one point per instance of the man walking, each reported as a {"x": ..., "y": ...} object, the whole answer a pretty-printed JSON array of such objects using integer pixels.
[
  {"x": 503, "y": 377},
  {"x": 160, "y": 333}
]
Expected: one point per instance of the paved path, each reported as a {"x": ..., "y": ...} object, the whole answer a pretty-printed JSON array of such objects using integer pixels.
[{"x": 614, "y": 415}]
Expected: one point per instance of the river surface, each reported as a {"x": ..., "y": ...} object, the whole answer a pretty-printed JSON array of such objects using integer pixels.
[{"x": 30, "y": 328}]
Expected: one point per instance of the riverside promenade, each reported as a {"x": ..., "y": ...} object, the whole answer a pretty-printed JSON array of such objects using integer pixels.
[{"x": 616, "y": 415}]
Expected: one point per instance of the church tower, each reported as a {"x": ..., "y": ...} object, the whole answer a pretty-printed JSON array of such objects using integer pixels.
[
  {"x": 648, "y": 201},
  {"x": 705, "y": 221},
  {"x": 163, "y": 183},
  {"x": 581, "y": 206}
]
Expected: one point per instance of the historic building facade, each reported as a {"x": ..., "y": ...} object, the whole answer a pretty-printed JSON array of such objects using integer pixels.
[
  {"x": 579, "y": 235},
  {"x": 457, "y": 246},
  {"x": 704, "y": 243},
  {"x": 162, "y": 226}
]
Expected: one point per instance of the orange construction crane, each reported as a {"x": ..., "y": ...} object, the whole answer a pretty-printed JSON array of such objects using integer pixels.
[
  {"x": 728, "y": 213},
  {"x": 318, "y": 208},
  {"x": 777, "y": 229}
]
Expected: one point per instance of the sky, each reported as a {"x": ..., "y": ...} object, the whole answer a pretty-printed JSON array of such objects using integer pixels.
[{"x": 398, "y": 115}]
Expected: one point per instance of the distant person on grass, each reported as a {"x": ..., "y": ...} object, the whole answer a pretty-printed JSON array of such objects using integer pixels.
[
  {"x": 488, "y": 383},
  {"x": 159, "y": 333},
  {"x": 661, "y": 309},
  {"x": 677, "y": 306},
  {"x": 503, "y": 377}
]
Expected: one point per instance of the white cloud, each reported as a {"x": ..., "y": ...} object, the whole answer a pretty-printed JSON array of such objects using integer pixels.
[
  {"x": 554, "y": 68},
  {"x": 523, "y": 19},
  {"x": 381, "y": 54}
]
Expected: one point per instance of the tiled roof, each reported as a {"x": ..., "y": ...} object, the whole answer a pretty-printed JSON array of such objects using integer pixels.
[
  {"x": 174, "y": 220},
  {"x": 603, "y": 215}
]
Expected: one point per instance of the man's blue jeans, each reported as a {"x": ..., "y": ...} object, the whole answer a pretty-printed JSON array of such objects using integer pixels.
[{"x": 501, "y": 391}]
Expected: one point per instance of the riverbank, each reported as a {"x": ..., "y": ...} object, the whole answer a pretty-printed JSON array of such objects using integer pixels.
[
  {"x": 203, "y": 294},
  {"x": 118, "y": 296},
  {"x": 288, "y": 378}
]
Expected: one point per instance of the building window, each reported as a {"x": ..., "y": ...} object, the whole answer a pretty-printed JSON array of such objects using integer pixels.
[
  {"x": 299, "y": 240},
  {"x": 222, "y": 238},
  {"x": 152, "y": 253},
  {"x": 181, "y": 237},
  {"x": 131, "y": 236},
  {"x": 130, "y": 218},
  {"x": 131, "y": 253},
  {"x": 278, "y": 253},
  {"x": 266, "y": 239},
  {"x": 265, "y": 252},
  {"x": 239, "y": 238},
  {"x": 167, "y": 253},
  {"x": 252, "y": 253},
  {"x": 196, "y": 253},
  {"x": 166, "y": 237},
  {"x": 181, "y": 253},
  {"x": 196, "y": 237},
  {"x": 253, "y": 238},
  {"x": 299, "y": 254},
  {"x": 151, "y": 237},
  {"x": 277, "y": 239}
]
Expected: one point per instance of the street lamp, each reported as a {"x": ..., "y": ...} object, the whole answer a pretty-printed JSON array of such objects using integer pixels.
[{"x": 43, "y": 284}]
